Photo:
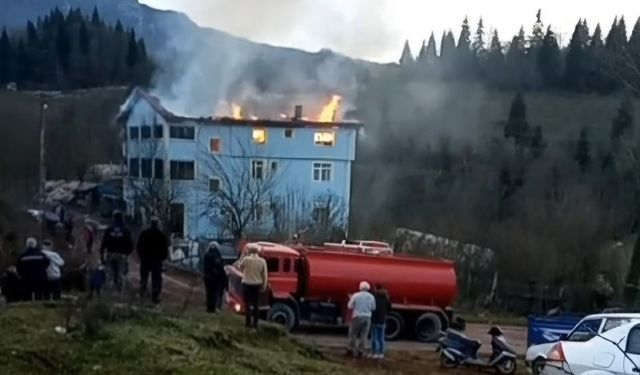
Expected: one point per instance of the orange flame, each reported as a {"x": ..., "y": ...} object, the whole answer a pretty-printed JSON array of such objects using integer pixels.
[
  {"x": 236, "y": 111},
  {"x": 330, "y": 111}
]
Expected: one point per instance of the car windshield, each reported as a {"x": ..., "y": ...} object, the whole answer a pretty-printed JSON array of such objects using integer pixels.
[{"x": 585, "y": 331}]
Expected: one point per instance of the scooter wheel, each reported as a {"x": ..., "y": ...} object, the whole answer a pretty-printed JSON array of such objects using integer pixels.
[
  {"x": 507, "y": 367},
  {"x": 446, "y": 362}
]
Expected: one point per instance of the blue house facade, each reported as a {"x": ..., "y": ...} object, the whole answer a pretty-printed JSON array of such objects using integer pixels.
[{"x": 214, "y": 177}]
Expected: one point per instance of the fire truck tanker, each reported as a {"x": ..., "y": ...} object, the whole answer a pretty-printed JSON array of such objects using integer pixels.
[{"x": 313, "y": 284}]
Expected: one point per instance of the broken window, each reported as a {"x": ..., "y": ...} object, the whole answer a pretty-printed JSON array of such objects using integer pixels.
[
  {"x": 158, "y": 131},
  {"x": 288, "y": 133},
  {"x": 322, "y": 171},
  {"x": 182, "y": 132},
  {"x": 134, "y": 133},
  {"x": 215, "y": 145},
  {"x": 159, "y": 168},
  {"x": 260, "y": 136},
  {"x": 214, "y": 184},
  {"x": 324, "y": 138},
  {"x": 145, "y": 132},
  {"x": 257, "y": 169}
]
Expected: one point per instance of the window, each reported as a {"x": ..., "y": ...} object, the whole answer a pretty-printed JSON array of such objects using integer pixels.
[
  {"x": 260, "y": 136},
  {"x": 145, "y": 132},
  {"x": 214, "y": 184},
  {"x": 325, "y": 139},
  {"x": 215, "y": 145},
  {"x": 585, "y": 331},
  {"x": 257, "y": 169},
  {"x": 182, "y": 132},
  {"x": 182, "y": 170},
  {"x": 286, "y": 267},
  {"x": 273, "y": 265},
  {"x": 288, "y": 133},
  {"x": 612, "y": 323},
  {"x": 322, "y": 172},
  {"x": 145, "y": 166},
  {"x": 158, "y": 131},
  {"x": 321, "y": 214},
  {"x": 274, "y": 166},
  {"x": 633, "y": 341},
  {"x": 158, "y": 166},
  {"x": 134, "y": 133},
  {"x": 134, "y": 167}
]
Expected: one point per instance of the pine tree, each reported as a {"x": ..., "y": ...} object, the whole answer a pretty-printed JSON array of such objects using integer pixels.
[
  {"x": 464, "y": 55},
  {"x": 623, "y": 122},
  {"x": 634, "y": 49},
  {"x": 495, "y": 66},
  {"x": 432, "y": 54},
  {"x": 32, "y": 35},
  {"x": 6, "y": 58},
  {"x": 84, "y": 41},
  {"x": 613, "y": 42},
  {"x": 63, "y": 45},
  {"x": 549, "y": 59},
  {"x": 583, "y": 151},
  {"x": 142, "y": 51},
  {"x": 422, "y": 55},
  {"x": 576, "y": 61},
  {"x": 119, "y": 28},
  {"x": 478, "y": 45},
  {"x": 464, "y": 41},
  {"x": 516, "y": 61},
  {"x": 517, "y": 126},
  {"x": 596, "y": 78},
  {"x": 406, "y": 58},
  {"x": 538, "y": 143},
  {"x": 95, "y": 18},
  {"x": 448, "y": 46},
  {"x": 537, "y": 34}
]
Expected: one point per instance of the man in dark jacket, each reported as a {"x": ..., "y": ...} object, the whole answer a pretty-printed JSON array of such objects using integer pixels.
[
  {"x": 215, "y": 277},
  {"x": 32, "y": 269},
  {"x": 117, "y": 245},
  {"x": 383, "y": 305},
  {"x": 153, "y": 250}
]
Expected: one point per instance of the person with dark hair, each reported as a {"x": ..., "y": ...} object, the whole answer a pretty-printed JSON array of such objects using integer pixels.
[
  {"x": 215, "y": 277},
  {"x": 378, "y": 318},
  {"x": 153, "y": 250},
  {"x": 54, "y": 286},
  {"x": 117, "y": 245},
  {"x": 32, "y": 269}
]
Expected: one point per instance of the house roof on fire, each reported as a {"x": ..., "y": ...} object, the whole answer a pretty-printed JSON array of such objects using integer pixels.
[{"x": 141, "y": 94}]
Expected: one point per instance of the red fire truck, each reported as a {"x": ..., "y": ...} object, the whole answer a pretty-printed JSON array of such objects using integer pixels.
[{"x": 313, "y": 284}]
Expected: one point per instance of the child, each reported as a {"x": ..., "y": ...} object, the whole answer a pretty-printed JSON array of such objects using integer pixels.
[{"x": 97, "y": 275}]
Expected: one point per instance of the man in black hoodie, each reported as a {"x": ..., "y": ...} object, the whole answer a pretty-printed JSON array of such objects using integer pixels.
[
  {"x": 32, "y": 269},
  {"x": 215, "y": 277},
  {"x": 117, "y": 245},
  {"x": 153, "y": 250}
]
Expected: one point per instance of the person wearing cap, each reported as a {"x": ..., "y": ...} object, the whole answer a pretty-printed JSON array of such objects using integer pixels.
[
  {"x": 54, "y": 287},
  {"x": 32, "y": 269},
  {"x": 215, "y": 277},
  {"x": 362, "y": 304},
  {"x": 254, "y": 281},
  {"x": 153, "y": 250},
  {"x": 117, "y": 245}
]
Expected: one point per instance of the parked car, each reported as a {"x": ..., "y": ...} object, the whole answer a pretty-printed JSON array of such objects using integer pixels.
[
  {"x": 583, "y": 331},
  {"x": 616, "y": 351}
]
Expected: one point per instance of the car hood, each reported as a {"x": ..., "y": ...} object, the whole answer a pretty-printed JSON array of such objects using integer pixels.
[{"x": 537, "y": 351}]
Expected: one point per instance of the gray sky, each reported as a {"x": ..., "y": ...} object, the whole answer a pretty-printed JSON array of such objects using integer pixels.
[{"x": 376, "y": 29}]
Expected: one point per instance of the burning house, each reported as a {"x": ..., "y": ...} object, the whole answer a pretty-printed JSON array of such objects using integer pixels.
[{"x": 235, "y": 174}]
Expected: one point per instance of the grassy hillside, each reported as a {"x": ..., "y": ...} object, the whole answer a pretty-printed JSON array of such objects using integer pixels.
[{"x": 144, "y": 343}]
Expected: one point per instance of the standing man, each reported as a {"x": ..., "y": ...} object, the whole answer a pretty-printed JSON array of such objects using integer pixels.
[
  {"x": 383, "y": 305},
  {"x": 254, "y": 282},
  {"x": 117, "y": 245},
  {"x": 153, "y": 250},
  {"x": 54, "y": 287},
  {"x": 32, "y": 269},
  {"x": 362, "y": 304},
  {"x": 215, "y": 277}
]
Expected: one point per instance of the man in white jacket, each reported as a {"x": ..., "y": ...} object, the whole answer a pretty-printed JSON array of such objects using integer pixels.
[{"x": 54, "y": 287}]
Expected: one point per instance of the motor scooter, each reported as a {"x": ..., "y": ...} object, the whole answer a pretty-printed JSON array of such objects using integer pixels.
[{"x": 457, "y": 349}]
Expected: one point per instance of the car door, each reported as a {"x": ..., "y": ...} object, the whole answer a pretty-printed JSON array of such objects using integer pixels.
[{"x": 632, "y": 349}]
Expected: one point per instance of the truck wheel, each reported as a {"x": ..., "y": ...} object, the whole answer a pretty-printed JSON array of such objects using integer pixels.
[
  {"x": 427, "y": 328},
  {"x": 282, "y": 314},
  {"x": 394, "y": 324}
]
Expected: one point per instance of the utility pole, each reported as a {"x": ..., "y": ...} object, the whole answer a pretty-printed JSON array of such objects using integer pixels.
[{"x": 43, "y": 167}]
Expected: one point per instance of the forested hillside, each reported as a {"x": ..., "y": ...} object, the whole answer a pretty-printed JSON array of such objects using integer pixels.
[{"x": 70, "y": 51}]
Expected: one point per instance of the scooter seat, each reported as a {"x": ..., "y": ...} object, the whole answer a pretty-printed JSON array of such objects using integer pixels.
[{"x": 460, "y": 337}]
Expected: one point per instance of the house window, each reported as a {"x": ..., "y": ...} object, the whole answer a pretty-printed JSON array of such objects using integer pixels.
[
  {"x": 145, "y": 132},
  {"x": 134, "y": 167},
  {"x": 273, "y": 166},
  {"x": 158, "y": 131},
  {"x": 214, "y": 184},
  {"x": 321, "y": 214},
  {"x": 257, "y": 169},
  {"x": 215, "y": 145},
  {"x": 260, "y": 136},
  {"x": 324, "y": 139},
  {"x": 159, "y": 168},
  {"x": 145, "y": 166},
  {"x": 182, "y": 170},
  {"x": 288, "y": 133},
  {"x": 182, "y": 132},
  {"x": 322, "y": 171},
  {"x": 134, "y": 133}
]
